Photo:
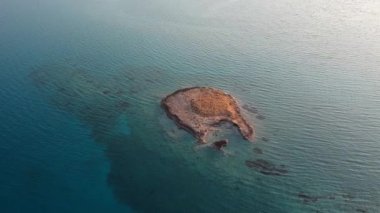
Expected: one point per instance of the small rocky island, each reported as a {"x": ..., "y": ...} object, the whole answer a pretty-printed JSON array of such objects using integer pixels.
[{"x": 199, "y": 110}]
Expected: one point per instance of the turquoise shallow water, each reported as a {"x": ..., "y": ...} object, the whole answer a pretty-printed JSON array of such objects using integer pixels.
[{"x": 82, "y": 129}]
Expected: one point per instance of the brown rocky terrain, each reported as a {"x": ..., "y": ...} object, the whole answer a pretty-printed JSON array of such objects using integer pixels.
[{"x": 199, "y": 110}]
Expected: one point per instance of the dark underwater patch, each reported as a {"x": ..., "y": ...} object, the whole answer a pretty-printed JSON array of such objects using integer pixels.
[
  {"x": 251, "y": 109},
  {"x": 258, "y": 150},
  {"x": 260, "y": 117},
  {"x": 266, "y": 167},
  {"x": 142, "y": 174}
]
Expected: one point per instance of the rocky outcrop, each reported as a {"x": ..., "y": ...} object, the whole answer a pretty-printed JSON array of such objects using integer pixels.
[{"x": 199, "y": 110}]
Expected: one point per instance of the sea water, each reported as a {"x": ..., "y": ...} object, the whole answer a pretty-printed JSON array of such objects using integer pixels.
[{"x": 82, "y": 128}]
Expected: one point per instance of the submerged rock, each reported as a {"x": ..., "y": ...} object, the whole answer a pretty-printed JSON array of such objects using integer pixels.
[
  {"x": 347, "y": 196},
  {"x": 200, "y": 109},
  {"x": 251, "y": 109},
  {"x": 265, "y": 167},
  {"x": 220, "y": 144},
  {"x": 308, "y": 198},
  {"x": 258, "y": 150},
  {"x": 260, "y": 117}
]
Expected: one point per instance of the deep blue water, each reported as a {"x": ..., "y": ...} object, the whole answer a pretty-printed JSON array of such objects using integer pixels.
[{"x": 82, "y": 130}]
